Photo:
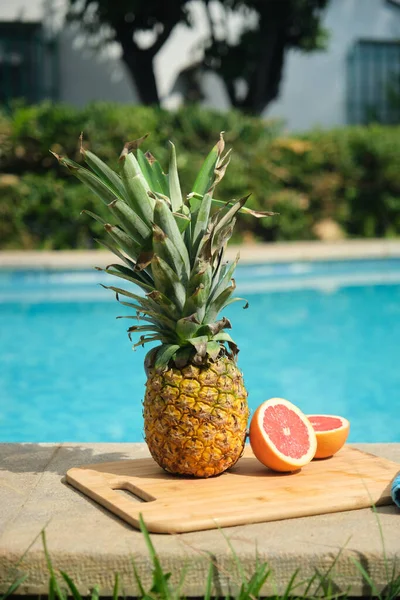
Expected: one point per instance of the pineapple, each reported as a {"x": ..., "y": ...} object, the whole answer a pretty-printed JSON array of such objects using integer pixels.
[{"x": 172, "y": 248}]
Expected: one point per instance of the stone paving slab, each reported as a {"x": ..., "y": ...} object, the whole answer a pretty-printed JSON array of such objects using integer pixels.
[
  {"x": 249, "y": 253},
  {"x": 91, "y": 545},
  {"x": 21, "y": 468}
]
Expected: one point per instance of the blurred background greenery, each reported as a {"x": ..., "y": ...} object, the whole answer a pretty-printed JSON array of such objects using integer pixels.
[{"x": 325, "y": 184}]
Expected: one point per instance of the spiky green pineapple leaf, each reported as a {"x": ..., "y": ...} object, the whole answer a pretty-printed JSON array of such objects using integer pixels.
[
  {"x": 175, "y": 193},
  {"x": 128, "y": 275},
  {"x": 213, "y": 350},
  {"x": 182, "y": 220},
  {"x": 200, "y": 344},
  {"x": 212, "y": 329},
  {"x": 164, "y": 218},
  {"x": 91, "y": 180},
  {"x": 147, "y": 171},
  {"x": 147, "y": 339},
  {"x": 94, "y": 216},
  {"x": 153, "y": 303},
  {"x": 124, "y": 241},
  {"x": 205, "y": 177},
  {"x": 129, "y": 263},
  {"x": 224, "y": 281},
  {"x": 164, "y": 355},
  {"x": 160, "y": 322},
  {"x": 109, "y": 177},
  {"x": 166, "y": 249},
  {"x": 199, "y": 226},
  {"x": 187, "y": 327},
  {"x": 136, "y": 186},
  {"x": 158, "y": 173},
  {"x": 130, "y": 222},
  {"x": 217, "y": 304},
  {"x": 259, "y": 214},
  {"x": 168, "y": 282}
]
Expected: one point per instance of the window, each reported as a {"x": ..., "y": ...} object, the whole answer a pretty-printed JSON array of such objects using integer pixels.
[
  {"x": 27, "y": 63},
  {"x": 373, "y": 82}
]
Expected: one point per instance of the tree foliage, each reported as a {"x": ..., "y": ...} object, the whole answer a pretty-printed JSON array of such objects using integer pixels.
[{"x": 246, "y": 42}]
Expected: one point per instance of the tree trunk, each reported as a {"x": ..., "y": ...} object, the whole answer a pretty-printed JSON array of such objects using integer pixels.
[
  {"x": 263, "y": 85},
  {"x": 138, "y": 62},
  {"x": 140, "y": 66}
]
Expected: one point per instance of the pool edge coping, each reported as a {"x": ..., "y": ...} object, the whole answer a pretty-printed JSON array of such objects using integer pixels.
[{"x": 275, "y": 252}]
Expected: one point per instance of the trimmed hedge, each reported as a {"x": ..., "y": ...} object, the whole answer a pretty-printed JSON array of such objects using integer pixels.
[{"x": 344, "y": 182}]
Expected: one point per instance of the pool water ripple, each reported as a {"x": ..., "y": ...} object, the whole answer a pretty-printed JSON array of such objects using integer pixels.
[{"x": 323, "y": 335}]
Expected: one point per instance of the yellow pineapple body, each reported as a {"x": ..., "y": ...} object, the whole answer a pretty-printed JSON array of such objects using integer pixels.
[{"x": 195, "y": 418}]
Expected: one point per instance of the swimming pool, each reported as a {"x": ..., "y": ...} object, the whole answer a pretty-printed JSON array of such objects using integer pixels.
[{"x": 324, "y": 335}]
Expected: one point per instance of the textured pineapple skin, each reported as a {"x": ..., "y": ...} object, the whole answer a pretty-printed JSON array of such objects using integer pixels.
[{"x": 195, "y": 418}]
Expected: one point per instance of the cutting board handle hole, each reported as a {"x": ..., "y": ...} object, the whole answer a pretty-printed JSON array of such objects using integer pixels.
[{"x": 127, "y": 493}]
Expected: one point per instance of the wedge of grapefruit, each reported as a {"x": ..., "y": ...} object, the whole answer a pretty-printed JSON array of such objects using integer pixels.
[
  {"x": 281, "y": 436},
  {"x": 331, "y": 431}
]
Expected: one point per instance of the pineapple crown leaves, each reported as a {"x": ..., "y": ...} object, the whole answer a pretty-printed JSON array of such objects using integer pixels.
[{"x": 170, "y": 247}]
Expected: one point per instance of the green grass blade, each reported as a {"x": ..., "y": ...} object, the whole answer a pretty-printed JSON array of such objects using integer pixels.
[
  {"x": 253, "y": 587},
  {"x": 52, "y": 591},
  {"x": 19, "y": 580},
  {"x": 95, "y": 595},
  {"x": 367, "y": 577},
  {"x": 209, "y": 582},
  {"x": 72, "y": 587},
  {"x": 392, "y": 590},
  {"x": 138, "y": 580},
  {"x": 325, "y": 579},
  {"x": 14, "y": 586},
  {"x": 175, "y": 193},
  {"x": 160, "y": 579},
  {"x": 54, "y": 585}
]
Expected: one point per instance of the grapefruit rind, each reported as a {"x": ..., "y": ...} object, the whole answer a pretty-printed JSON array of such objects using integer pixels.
[
  {"x": 267, "y": 452},
  {"x": 330, "y": 441}
]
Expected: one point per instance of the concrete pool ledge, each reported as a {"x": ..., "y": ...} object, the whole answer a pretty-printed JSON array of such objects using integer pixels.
[
  {"x": 91, "y": 545},
  {"x": 249, "y": 253}
]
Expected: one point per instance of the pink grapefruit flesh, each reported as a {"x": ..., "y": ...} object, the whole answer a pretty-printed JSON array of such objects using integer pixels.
[{"x": 281, "y": 436}]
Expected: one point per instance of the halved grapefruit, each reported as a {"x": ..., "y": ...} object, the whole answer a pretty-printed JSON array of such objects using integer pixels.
[
  {"x": 331, "y": 431},
  {"x": 281, "y": 436}
]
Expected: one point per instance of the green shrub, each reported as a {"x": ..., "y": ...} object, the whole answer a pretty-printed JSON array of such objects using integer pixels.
[{"x": 349, "y": 177}]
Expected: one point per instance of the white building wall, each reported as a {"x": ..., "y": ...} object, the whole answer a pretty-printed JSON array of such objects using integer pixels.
[
  {"x": 314, "y": 86},
  {"x": 86, "y": 75}
]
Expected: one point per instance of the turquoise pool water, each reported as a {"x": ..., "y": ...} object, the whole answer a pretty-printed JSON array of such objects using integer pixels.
[{"x": 323, "y": 335}]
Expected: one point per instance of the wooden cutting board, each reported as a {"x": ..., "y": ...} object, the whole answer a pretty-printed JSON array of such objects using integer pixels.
[{"x": 248, "y": 493}]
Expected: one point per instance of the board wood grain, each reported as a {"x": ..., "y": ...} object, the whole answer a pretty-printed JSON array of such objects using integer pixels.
[{"x": 247, "y": 493}]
